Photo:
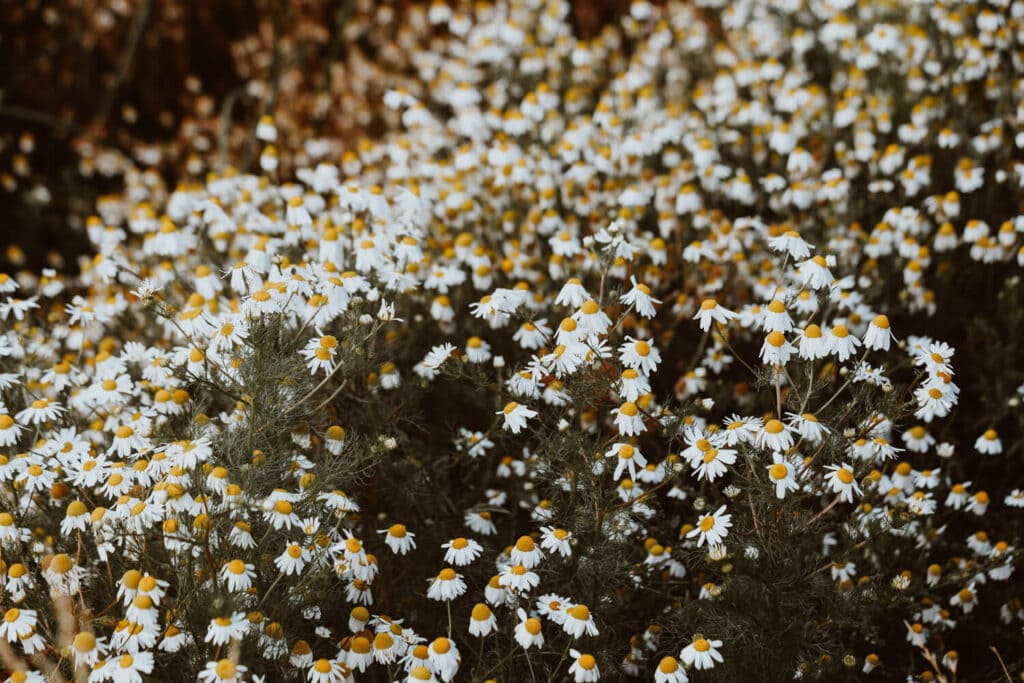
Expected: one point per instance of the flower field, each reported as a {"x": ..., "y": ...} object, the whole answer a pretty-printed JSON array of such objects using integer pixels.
[{"x": 505, "y": 342}]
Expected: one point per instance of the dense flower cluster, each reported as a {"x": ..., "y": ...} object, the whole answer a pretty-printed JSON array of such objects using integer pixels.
[{"x": 591, "y": 360}]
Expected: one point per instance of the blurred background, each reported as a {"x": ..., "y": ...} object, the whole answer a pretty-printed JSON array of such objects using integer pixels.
[{"x": 96, "y": 95}]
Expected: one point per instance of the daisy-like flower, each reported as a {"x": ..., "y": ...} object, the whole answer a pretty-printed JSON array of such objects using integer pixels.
[
  {"x": 222, "y": 671},
  {"x": 39, "y": 411},
  {"x": 238, "y": 575},
  {"x": 879, "y": 336},
  {"x": 814, "y": 272},
  {"x": 281, "y": 515},
  {"x": 447, "y": 585},
  {"x": 320, "y": 353},
  {"x": 639, "y": 355},
  {"x": 791, "y": 243},
  {"x": 420, "y": 674},
  {"x": 87, "y": 649},
  {"x": 808, "y": 427},
  {"x": 532, "y": 335},
  {"x": 669, "y": 671},
  {"x": 528, "y": 631},
  {"x": 360, "y": 653},
  {"x": 989, "y": 443},
  {"x": 128, "y": 668},
  {"x": 399, "y": 539},
  {"x": 515, "y": 416},
  {"x": 293, "y": 560},
  {"x": 775, "y": 436},
  {"x": 628, "y": 419},
  {"x": 10, "y": 431},
  {"x": 526, "y": 553},
  {"x": 813, "y": 344},
  {"x": 480, "y": 522},
  {"x": 714, "y": 463},
  {"x": 223, "y": 630},
  {"x": 584, "y": 667},
  {"x": 17, "y": 623},
  {"x": 966, "y": 599},
  {"x": 632, "y": 385},
  {"x": 477, "y": 350},
  {"x": 639, "y": 296},
  {"x": 702, "y": 653},
  {"x": 917, "y": 439},
  {"x": 841, "y": 342},
  {"x": 711, "y": 311},
  {"x": 556, "y": 540},
  {"x": 842, "y": 481},
  {"x": 591, "y": 319},
  {"x": 782, "y": 473},
  {"x": 519, "y": 579},
  {"x": 775, "y": 318},
  {"x": 711, "y": 528},
  {"x": 933, "y": 401},
  {"x": 461, "y": 551},
  {"x": 482, "y": 621},
  {"x": 776, "y": 350},
  {"x": 444, "y": 657},
  {"x": 628, "y": 458},
  {"x": 579, "y": 620}
]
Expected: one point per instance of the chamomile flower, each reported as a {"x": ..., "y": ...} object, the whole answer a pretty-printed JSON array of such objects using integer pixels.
[
  {"x": 776, "y": 350},
  {"x": 238, "y": 575},
  {"x": 989, "y": 443},
  {"x": 481, "y": 621},
  {"x": 879, "y": 336},
  {"x": 711, "y": 528},
  {"x": 223, "y": 630},
  {"x": 702, "y": 653},
  {"x": 639, "y": 296},
  {"x": 446, "y": 586},
  {"x": 579, "y": 621},
  {"x": 222, "y": 671},
  {"x": 670, "y": 671},
  {"x": 39, "y": 411},
  {"x": 515, "y": 416},
  {"x": 628, "y": 419},
  {"x": 710, "y": 311},
  {"x": 518, "y": 579},
  {"x": 775, "y": 436},
  {"x": 17, "y": 623},
  {"x": 444, "y": 658},
  {"x": 628, "y": 458},
  {"x": 841, "y": 343},
  {"x": 782, "y": 472},
  {"x": 556, "y": 541},
  {"x": 584, "y": 667},
  {"x": 841, "y": 480},
  {"x": 461, "y": 551},
  {"x": 293, "y": 560},
  {"x": 399, "y": 539}
]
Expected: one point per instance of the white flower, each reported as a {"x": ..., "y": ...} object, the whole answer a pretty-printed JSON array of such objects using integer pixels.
[
  {"x": 482, "y": 621},
  {"x": 528, "y": 631},
  {"x": 640, "y": 298},
  {"x": 584, "y": 668},
  {"x": 461, "y": 551},
  {"x": 628, "y": 419},
  {"x": 989, "y": 443},
  {"x": 701, "y": 653},
  {"x": 711, "y": 311},
  {"x": 711, "y": 528},
  {"x": 843, "y": 481},
  {"x": 447, "y": 585},
  {"x": 879, "y": 336},
  {"x": 515, "y": 416}
]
